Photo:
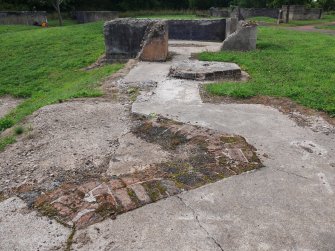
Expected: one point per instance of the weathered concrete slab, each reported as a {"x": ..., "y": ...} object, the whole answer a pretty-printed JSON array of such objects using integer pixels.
[
  {"x": 128, "y": 38},
  {"x": 289, "y": 203},
  {"x": 243, "y": 39},
  {"x": 22, "y": 229},
  {"x": 166, "y": 225},
  {"x": 77, "y": 139},
  {"x": 205, "y": 71},
  {"x": 198, "y": 30}
]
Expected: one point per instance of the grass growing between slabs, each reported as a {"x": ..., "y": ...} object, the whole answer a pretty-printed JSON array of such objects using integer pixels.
[
  {"x": 44, "y": 66},
  {"x": 297, "y": 65}
]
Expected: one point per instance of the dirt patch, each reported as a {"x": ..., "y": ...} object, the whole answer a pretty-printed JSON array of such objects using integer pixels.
[
  {"x": 305, "y": 117},
  {"x": 6, "y": 104}
]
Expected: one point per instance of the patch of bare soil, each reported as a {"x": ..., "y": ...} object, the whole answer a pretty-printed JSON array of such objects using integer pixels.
[
  {"x": 305, "y": 117},
  {"x": 7, "y": 103}
]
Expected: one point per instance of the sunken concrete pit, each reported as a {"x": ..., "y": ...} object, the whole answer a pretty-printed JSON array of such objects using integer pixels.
[
  {"x": 202, "y": 71},
  {"x": 130, "y": 38}
]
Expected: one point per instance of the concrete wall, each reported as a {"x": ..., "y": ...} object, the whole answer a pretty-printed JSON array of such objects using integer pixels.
[
  {"x": 299, "y": 12},
  {"x": 22, "y": 17},
  {"x": 246, "y": 13},
  {"x": 94, "y": 16},
  {"x": 127, "y": 38},
  {"x": 219, "y": 12},
  {"x": 199, "y": 30}
]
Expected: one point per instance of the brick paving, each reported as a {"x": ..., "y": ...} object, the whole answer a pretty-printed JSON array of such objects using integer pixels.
[{"x": 200, "y": 156}]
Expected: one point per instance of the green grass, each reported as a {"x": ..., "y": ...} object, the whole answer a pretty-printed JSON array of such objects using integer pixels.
[
  {"x": 324, "y": 19},
  {"x": 326, "y": 27},
  {"x": 45, "y": 66},
  {"x": 297, "y": 65},
  {"x": 66, "y": 22},
  {"x": 16, "y": 28},
  {"x": 269, "y": 20}
]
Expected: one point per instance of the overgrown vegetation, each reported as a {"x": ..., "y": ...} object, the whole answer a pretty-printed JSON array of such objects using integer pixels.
[
  {"x": 44, "y": 66},
  {"x": 297, "y": 65}
]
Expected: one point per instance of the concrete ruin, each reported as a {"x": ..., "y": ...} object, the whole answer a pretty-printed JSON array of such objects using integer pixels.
[
  {"x": 22, "y": 17},
  {"x": 300, "y": 12},
  {"x": 205, "y": 71},
  {"x": 243, "y": 13},
  {"x": 231, "y": 25},
  {"x": 243, "y": 39},
  {"x": 129, "y": 38},
  {"x": 94, "y": 16},
  {"x": 198, "y": 30},
  {"x": 155, "y": 43}
]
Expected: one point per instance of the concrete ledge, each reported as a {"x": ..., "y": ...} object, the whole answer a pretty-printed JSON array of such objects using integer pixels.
[{"x": 199, "y": 30}]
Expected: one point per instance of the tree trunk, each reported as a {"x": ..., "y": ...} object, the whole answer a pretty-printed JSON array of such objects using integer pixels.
[{"x": 60, "y": 19}]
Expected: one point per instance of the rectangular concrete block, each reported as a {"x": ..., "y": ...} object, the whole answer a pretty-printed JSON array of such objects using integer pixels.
[{"x": 131, "y": 38}]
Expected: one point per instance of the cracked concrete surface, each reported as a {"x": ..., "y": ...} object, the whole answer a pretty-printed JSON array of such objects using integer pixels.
[
  {"x": 27, "y": 230},
  {"x": 287, "y": 205}
]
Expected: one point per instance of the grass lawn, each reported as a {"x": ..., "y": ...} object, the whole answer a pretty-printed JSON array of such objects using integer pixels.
[
  {"x": 16, "y": 28},
  {"x": 326, "y": 27},
  {"x": 297, "y": 65},
  {"x": 45, "y": 65},
  {"x": 269, "y": 20}
]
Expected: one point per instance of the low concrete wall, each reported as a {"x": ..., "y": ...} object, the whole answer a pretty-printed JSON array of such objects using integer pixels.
[
  {"x": 94, "y": 16},
  {"x": 199, "y": 30},
  {"x": 245, "y": 13},
  {"x": 219, "y": 12},
  {"x": 23, "y": 17},
  {"x": 299, "y": 12}
]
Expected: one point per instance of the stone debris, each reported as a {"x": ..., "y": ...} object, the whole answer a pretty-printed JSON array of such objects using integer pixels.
[
  {"x": 202, "y": 71},
  {"x": 243, "y": 39}
]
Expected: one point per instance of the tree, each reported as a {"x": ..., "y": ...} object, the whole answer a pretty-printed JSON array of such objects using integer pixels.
[{"x": 56, "y": 4}]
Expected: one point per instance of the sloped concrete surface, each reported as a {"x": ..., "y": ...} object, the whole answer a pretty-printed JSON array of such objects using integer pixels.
[{"x": 22, "y": 229}]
